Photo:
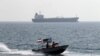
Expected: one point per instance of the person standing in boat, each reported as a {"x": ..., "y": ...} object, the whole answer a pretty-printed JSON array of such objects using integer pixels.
[
  {"x": 48, "y": 42},
  {"x": 47, "y": 45},
  {"x": 53, "y": 44}
]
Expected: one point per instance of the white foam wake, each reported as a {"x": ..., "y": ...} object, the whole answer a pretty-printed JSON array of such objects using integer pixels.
[{"x": 5, "y": 50}]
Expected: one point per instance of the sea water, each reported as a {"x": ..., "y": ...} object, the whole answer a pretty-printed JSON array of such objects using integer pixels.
[{"x": 17, "y": 39}]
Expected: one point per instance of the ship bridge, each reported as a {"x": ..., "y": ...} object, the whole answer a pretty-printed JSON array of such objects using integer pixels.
[{"x": 39, "y": 16}]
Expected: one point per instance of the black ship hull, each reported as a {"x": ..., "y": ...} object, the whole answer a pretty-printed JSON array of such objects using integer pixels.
[{"x": 53, "y": 51}]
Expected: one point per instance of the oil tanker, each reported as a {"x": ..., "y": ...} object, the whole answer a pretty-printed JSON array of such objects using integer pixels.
[{"x": 40, "y": 18}]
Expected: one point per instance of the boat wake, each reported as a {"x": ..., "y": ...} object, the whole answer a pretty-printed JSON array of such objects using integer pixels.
[{"x": 5, "y": 50}]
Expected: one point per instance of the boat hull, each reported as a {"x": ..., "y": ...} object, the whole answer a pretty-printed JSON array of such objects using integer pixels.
[
  {"x": 55, "y": 50},
  {"x": 56, "y": 20}
]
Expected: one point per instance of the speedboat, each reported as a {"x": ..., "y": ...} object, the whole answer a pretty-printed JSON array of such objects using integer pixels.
[{"x": 52, "y": 50}]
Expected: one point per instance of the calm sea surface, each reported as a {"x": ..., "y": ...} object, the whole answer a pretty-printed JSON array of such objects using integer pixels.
[{"x": 17, "y": 39}]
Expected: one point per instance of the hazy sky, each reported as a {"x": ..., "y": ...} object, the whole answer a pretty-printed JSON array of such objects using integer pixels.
[{"x": 24, "y": 10}]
